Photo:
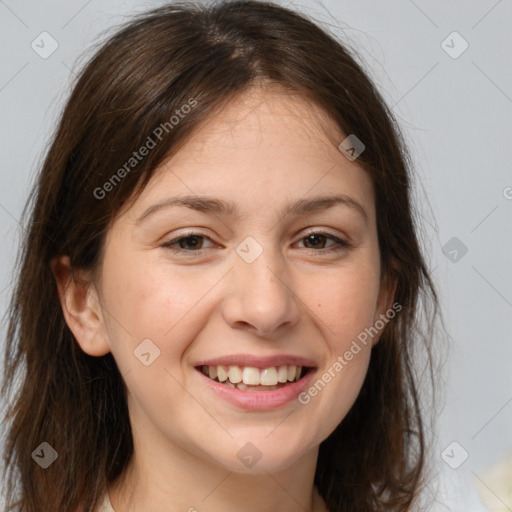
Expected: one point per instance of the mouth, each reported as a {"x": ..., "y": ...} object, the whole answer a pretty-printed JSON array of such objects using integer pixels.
[{"x": 251, "y": 378}]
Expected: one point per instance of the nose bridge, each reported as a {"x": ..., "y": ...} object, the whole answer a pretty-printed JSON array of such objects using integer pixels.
[{"x": 259, "y": 296}]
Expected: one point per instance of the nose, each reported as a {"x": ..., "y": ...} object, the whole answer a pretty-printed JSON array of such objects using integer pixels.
[{"x": 259, "y": 298}]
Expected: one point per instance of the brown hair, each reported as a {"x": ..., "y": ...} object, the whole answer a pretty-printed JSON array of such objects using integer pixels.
[{"x": 376, "y": 457}]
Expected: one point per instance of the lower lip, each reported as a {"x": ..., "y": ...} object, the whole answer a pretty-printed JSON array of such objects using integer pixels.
[{"x": 259, "y": 400}]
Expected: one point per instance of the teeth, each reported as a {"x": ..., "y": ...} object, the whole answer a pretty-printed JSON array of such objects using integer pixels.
[
  {"x": 282, "y": 374},
  {"x": 235, "y": 374},
  {"x": 222, "y": 374},
  {"x": 252, "y": 378},
  {"x": 268, "y": 376}
]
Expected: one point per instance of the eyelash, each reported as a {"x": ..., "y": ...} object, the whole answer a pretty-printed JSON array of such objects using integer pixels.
[{"x": 340, "y": 244}]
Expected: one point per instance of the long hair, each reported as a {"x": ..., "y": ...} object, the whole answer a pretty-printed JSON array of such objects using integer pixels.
[{"x": 136, "y": 81}]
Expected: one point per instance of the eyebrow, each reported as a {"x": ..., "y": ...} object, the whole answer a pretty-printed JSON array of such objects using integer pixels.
[{"x": 218, "y": 206}]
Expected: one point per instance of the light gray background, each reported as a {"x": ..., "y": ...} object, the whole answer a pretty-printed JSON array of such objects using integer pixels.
[{"x": 456, "y": 115}]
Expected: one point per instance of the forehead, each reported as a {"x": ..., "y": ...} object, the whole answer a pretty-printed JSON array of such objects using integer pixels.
[
  {"x": 269, "y": 115},
  {"x": 267, "y": 145}
]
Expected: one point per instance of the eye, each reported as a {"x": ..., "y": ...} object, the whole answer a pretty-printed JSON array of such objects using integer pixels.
[
  {"x": 191, "y": 242},
  {"x": 315, "y": 239}
]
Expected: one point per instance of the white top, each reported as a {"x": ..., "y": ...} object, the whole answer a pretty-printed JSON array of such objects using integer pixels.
[{"x": 105, "y": 505}]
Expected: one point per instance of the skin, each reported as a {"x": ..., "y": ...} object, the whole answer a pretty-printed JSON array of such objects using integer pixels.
[{"x": 265, "y": 148}]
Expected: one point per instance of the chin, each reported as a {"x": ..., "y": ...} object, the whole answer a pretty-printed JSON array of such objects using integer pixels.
[{"x": 260, "y": 454}]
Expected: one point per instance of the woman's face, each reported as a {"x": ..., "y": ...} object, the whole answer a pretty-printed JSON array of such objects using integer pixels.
[{"x": 260, "y": 286}]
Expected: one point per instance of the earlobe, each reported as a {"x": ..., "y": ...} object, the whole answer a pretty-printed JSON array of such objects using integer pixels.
[{"x": 81, "y": 307}]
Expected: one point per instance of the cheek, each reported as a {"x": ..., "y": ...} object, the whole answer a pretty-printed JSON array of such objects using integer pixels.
[
  {"x": 147, "y": 298},
  {"x": 346, "y": 305},
  {"x": 344, "y": 311},
  {"x": 146, "y": 301},
  {"x": 144, "y": 297},
  {"x": 343, "y": 316}
]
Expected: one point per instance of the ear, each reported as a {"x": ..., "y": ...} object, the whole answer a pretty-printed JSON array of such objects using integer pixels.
[
  {"x": 81, "y": 307},
  {"x": 385, "y": 311}
]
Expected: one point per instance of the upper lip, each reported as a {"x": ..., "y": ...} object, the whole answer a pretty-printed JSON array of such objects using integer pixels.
[{"x": 257, "y": 361}]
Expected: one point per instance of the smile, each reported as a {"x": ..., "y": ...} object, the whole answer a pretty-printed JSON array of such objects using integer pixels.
[
  {"x": 250, "y": 378},
  {"x": 256, "y": 383}
]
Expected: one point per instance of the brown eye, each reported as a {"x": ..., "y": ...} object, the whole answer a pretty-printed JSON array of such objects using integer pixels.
[
  {"x": 193, "y": 242},
  {"x": 317, "y": 241}
]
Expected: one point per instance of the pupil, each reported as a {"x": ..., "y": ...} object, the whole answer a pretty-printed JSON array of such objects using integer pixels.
[
  {"x": 312, "y": 238},
  {"x": 187, "y": 239}
]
